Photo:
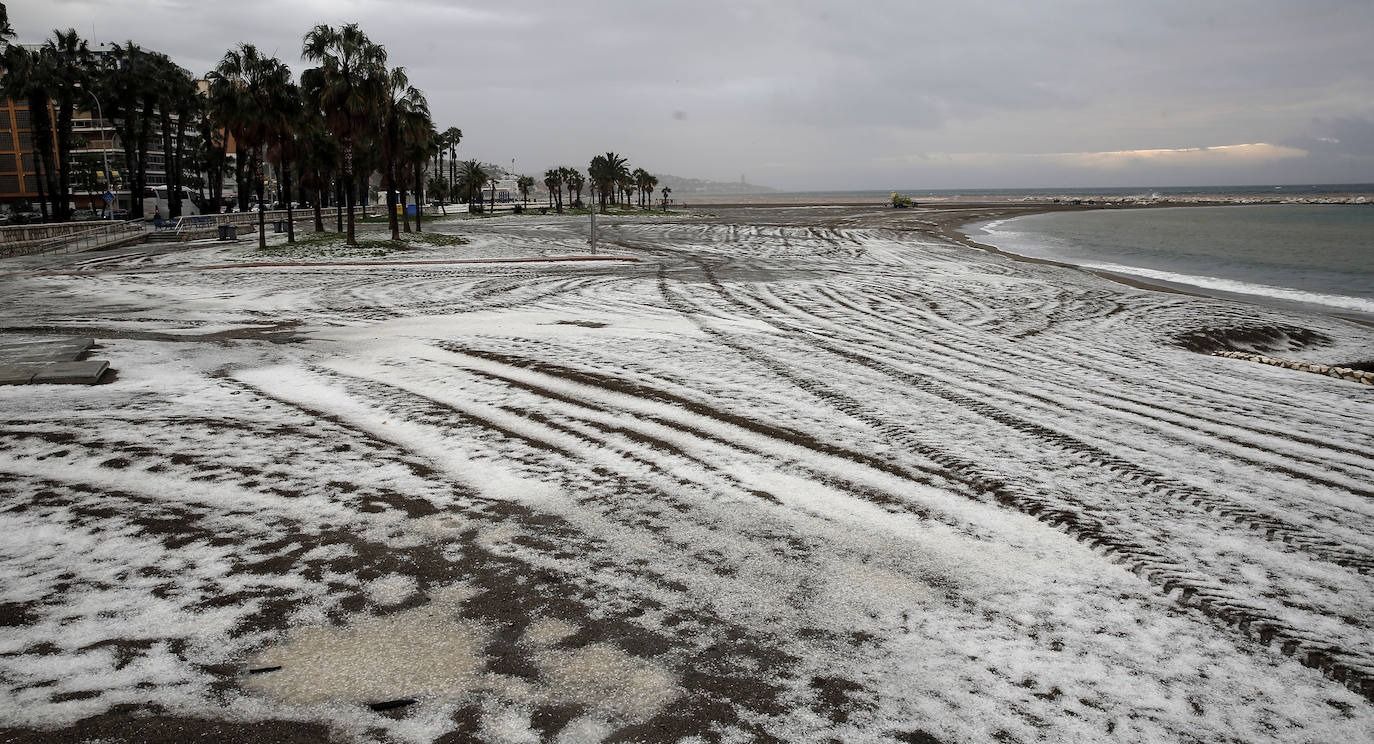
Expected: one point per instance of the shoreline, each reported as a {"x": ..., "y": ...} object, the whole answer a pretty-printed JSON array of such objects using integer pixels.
[{"x": 959, "y": 234}]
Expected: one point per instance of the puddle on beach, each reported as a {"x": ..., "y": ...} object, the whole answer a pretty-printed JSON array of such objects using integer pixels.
[{"x": 432, "y": 653}]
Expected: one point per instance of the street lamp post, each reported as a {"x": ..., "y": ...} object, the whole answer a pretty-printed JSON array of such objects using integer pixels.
[{"x": 104, "y": 151}]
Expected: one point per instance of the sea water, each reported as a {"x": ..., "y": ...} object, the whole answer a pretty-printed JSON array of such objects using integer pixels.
[{"x": 1318, "y": 256}]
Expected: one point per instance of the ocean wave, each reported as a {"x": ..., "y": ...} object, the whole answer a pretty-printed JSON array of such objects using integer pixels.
[{"x": 1233, "y": 286}]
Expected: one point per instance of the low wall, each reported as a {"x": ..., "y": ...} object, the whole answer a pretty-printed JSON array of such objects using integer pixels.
[{"x": 1343, "y": 373}]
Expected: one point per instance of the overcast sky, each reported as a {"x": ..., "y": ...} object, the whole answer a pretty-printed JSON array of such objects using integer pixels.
[{"x": 806, "y": 94}]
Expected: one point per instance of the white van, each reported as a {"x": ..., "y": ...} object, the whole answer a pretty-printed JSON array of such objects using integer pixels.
[{"x": 155, "y": 202}]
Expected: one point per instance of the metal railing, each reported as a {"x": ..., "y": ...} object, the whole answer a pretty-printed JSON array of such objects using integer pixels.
[
  {"x": 100, "y": 236},
  {"x": 201, "y": 221}
]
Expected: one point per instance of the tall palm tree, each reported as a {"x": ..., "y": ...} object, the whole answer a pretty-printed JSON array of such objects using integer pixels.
[
  {"x": 27, "y": 77},
  {"x": 645, "y": 182},
  {"x": 177, "y": 99},
  {"x": 607, "y": 171},
  {"x": 576, "y": 182},
  {"x": 471, "y": 178},
  {"x": 399, "y": 101},
  {"x": 565, "y": 176},
  {"x": 319, "y": 152},
  {"x": 525, "y": 184},
  {"x": 553, "y": 181},
  {"x": 248, "y": 90},
  {"x": 70, "y": 65},
  {"x": 352, "y": 66},
  {"x": 421, "y": 144},
  {"x": 452, "y": 136},
  {"x": 666, "y": 192},
  {"x": 286, "y": 115}
]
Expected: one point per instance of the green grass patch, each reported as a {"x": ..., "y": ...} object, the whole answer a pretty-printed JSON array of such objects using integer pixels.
[{"x": 330, "y": 245}]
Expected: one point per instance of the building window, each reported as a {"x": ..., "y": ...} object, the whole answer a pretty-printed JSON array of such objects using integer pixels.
[
  {"x": 7, "y": 161},
  {"x": 9, "y": 183}
]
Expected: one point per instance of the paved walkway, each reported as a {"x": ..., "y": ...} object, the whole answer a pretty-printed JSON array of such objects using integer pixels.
[{"x": 50, "y": 361}]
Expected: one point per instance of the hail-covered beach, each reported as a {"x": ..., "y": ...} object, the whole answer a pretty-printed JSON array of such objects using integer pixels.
[{"x": 762, "y": 474}]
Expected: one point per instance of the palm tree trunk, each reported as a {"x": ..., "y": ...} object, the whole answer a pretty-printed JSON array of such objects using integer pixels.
[
  {"x": 319, "y": 217},
  {"x": 338, "y": 205},
  {"x": 348, "y": 178},
  {"x": 261, "y": 184},
  {"x": 390, "y": 185},
  {"x": 286, "y": 197},
  {"x": 419, "y": 195},
  {"x": 64, "y": 150},
  {"x": 41, "y": 178}
]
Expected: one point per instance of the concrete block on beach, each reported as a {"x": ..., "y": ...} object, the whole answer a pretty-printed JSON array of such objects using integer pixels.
[
  {"x": 88, "y": 372},
  {"x": 15, "y": 374},
  {"x": 61, "y": 350}
]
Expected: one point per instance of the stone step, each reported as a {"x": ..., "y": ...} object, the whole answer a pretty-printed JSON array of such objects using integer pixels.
[
  {"x": 16, "y": 374},
  {"x": 39, "y": 352},
  {"x": 88, "y": 372}
]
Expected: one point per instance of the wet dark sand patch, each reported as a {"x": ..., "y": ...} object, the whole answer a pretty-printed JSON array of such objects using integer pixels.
[{"x": 1263, "y": 339}]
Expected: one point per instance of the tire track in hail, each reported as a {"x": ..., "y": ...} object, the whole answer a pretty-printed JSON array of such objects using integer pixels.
[{"x": 1186, "y": 587}]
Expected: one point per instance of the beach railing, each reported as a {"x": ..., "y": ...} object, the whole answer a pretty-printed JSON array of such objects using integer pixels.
[
  {"x": 102, "y": 235},
  {"x": 250, "y": 218}
]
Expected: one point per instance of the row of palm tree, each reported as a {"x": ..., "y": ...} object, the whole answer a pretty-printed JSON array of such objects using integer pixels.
[
  {"x": 145, "y": 95},
  {"x": 344, "y": 112},
  {"x": 610, "y": 177},
  {"x": 346, "y": 118}
]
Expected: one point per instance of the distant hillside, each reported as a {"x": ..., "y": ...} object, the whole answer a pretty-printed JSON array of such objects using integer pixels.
[{"x": 682, "y": 186}]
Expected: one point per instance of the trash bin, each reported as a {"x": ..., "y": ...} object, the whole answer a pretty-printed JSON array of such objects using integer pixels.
[
  {"x": 228, "y": 232},
  {"x": 279, "y": 226}
]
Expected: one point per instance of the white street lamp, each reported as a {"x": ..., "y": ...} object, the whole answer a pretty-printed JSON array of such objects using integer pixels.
[{"x": 104, "y": 151}]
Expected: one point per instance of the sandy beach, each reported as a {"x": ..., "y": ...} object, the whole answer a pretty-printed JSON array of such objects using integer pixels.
[{"x": 748, "y": 473}]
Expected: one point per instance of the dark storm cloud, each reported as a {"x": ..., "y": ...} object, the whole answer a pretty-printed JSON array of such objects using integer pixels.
[{"x": 838, "y": 94}]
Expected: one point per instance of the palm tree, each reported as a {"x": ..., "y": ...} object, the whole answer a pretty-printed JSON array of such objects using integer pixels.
[
  {"x": 452, "y": 136},
  {"x": 212, "y": 144},
  {"x": 248, "y": 90},
  {"x": 69, "y": 64},
  {"x": 471, "y": 178},
  {"x": 420, "y": 144},
  {"x": 666, "y": 192},
  {"x": 607, "y": 171},
  {"x": 399, "y": 101},
  {"x": 27, "y": 75},
  {"x": 286, "y": 115},
  {"x": 351, "y": 67},
  {"x": 553, "y": 181},
  {"x": 176, "y": 97},
  {"x": 576, "y": 182},
  {"x": 525, "y": 183},
  {"x": 438, "y": 187},
  {"x": 645, "y": 182},
  {"x": 319, "y": 151}
]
